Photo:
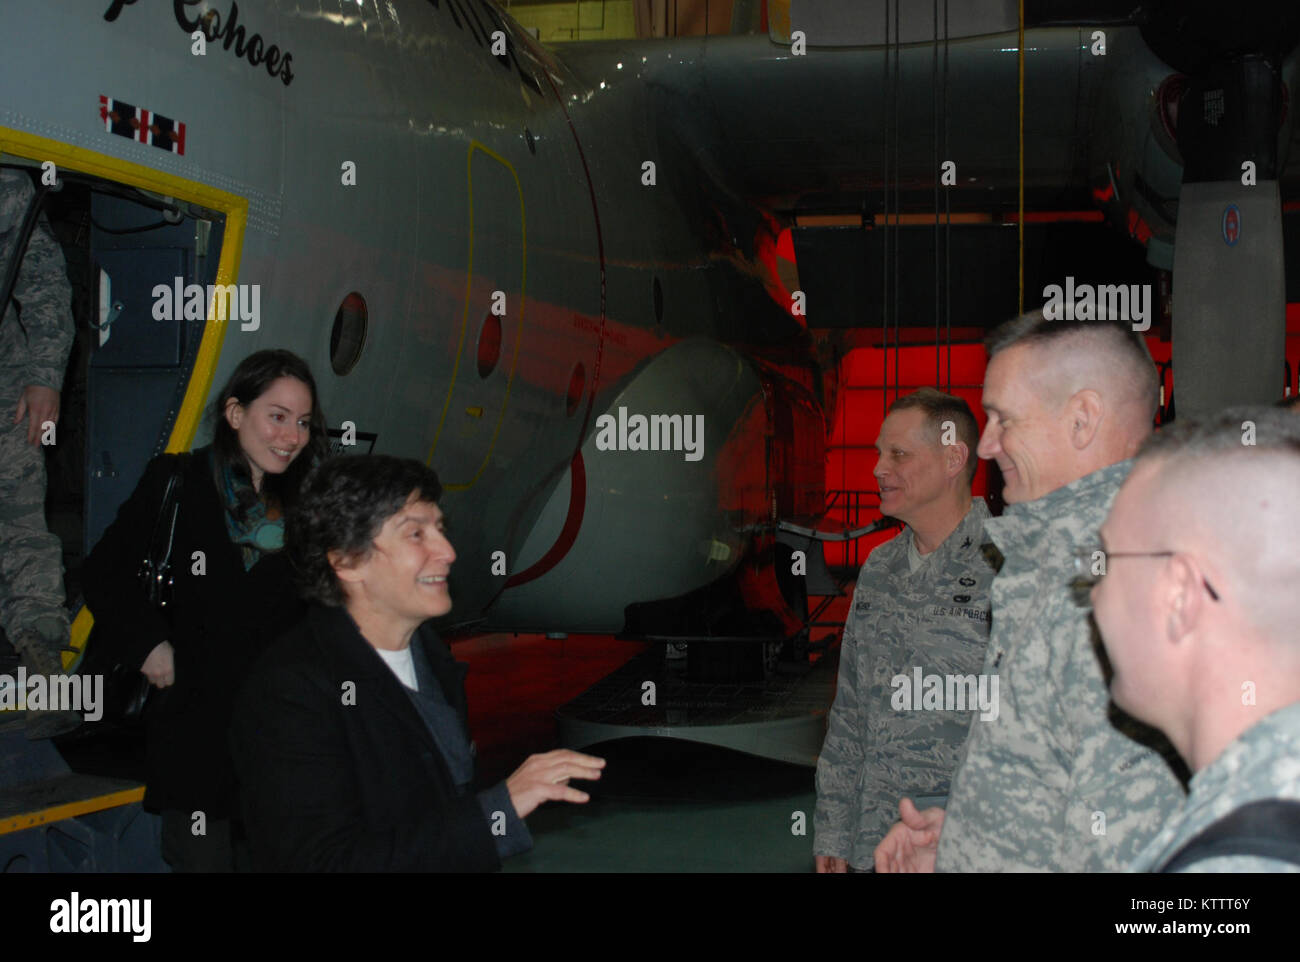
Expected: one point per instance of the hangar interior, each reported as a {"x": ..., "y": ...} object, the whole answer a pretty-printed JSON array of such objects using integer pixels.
[{"x": 898, "y": 278}]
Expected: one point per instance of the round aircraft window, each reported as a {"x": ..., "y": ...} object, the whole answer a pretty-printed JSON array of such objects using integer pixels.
[
  {"x": 349, "y": 334},
  {"x": 489, "y": 345},
  {"x": 577, "y": 384}
]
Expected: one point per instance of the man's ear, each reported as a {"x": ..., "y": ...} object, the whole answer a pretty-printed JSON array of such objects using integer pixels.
[
  {"x": 1184, "y": 597},
  {"x": 956, "y": 456},
  {"x": 234, "y": 412},
  {"x": 1084, "y": 410}
]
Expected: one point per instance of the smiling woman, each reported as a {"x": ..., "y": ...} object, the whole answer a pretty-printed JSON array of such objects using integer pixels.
[
  {"x": 231, "y": 596},
  {"x": 351, "y": 734}
]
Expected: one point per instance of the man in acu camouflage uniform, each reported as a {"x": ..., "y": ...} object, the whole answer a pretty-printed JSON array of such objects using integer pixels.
[
  {"x": 1051, "y": 784},
  {"x": 1200, "y": 625},
  {"x": 35, "y": 337},
  {"x": 922, "y": 601}
]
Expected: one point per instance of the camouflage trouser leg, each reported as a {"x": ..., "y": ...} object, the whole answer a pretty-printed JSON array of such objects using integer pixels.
[{"x": 31, "y": 558}]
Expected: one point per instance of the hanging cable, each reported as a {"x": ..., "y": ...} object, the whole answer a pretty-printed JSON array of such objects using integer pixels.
[
  {"x": 898, "y": 205},
  {"x": 1020, "y": 220},
  {"x": 884, "y": 238},
  {"x": 947, "y": 202},
  {"x": 934, "y": 111}
]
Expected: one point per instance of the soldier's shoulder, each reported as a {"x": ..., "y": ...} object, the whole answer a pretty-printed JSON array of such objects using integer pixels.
[{"x": 1239, "y": 864}]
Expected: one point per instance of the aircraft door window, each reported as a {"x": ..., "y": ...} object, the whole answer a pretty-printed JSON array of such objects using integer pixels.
[
  {"x": 348, "y": 336},
  {"x": 577, "y": 384},
  {"x": 489, "y": 345}
]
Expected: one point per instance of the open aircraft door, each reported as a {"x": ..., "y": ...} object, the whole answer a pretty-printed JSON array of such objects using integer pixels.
[
  {"x": 140, "y": 370},
  {"x": 142, "y": 348}
]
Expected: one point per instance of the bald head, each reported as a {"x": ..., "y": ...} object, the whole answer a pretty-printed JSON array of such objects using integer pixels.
[
  {"x": 1229, "y": 488},
  {"x": 1198, "y": 606}
]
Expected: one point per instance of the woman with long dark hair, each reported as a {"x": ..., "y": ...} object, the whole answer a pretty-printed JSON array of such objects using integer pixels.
[{"x": 233, "y": 592}]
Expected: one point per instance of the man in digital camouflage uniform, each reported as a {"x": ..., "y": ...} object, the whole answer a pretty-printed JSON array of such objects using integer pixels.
[
  {"x": 922, "y": 601},
  {"x": 1198, "y": 608},
  {"x": 35, "y": 337},
  {"x": 1053, "y": 784}
]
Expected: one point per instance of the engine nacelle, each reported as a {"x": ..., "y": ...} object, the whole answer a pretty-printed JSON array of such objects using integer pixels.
[{"x": 677, "y": 486}]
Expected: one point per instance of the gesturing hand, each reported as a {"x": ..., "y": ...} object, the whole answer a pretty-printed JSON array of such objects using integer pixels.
[
  {"x": 911, "y": 844},
  {"x": 160, "y": 666},
  {"x": 545, "y": 778}
]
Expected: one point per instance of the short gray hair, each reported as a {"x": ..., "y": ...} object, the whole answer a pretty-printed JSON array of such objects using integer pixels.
[
  {"x": 940, "y": 407},
  {"x": 1225, "y": 433},
  {"x": 1117, "y": 338}
]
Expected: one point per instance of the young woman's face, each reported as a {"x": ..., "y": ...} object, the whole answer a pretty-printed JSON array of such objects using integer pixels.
[{"x": 274, "y": 428}]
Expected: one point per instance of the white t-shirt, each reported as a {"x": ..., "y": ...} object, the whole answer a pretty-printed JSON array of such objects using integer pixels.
[
  {"x": 914, "y": 558},
  {"x": 403, "y": 665}
]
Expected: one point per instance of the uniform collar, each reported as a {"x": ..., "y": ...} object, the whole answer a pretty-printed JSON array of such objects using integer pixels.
[
  {"x": 968, "y": 535},
  {"x": 1084, "y": 501}
]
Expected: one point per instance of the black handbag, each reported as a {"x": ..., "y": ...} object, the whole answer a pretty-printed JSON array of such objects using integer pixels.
[{"x": 126, "y": 690}]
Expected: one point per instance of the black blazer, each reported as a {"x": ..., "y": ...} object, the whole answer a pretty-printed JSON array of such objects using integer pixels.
[
  {"x": 221, "y": 621},
  {"x": 338, "y": 772}
]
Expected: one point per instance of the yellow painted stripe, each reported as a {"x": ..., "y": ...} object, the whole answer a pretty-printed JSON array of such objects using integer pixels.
[
  {"x": 235, "y": 208},
  {"x": 464, "y": 323},
  {"x": 58, "y": 813}
]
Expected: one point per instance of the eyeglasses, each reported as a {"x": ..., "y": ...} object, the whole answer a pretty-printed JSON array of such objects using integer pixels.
[{"x": 1090, "y": 565}]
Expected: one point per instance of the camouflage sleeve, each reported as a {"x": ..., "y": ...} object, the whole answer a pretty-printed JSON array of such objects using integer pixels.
[
  {"x": 44, "y": 295},
  {"x": 835, "y": 821}
]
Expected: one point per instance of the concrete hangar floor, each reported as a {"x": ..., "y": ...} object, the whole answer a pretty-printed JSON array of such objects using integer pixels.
[{"x": 662, "y": 805}]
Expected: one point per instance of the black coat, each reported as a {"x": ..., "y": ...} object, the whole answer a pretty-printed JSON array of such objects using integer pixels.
[
  {"x": 337, "y": 782},
  {"x": 221, "y": 621}
]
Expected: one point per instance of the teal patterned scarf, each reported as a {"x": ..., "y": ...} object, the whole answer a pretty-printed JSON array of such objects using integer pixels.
[{"x": 257, "y": 533}]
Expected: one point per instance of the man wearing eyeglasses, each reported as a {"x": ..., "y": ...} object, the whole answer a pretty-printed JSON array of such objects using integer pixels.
[
  {"x": 1196, "y": 598},
  {"x": 1050, "y": 784}
]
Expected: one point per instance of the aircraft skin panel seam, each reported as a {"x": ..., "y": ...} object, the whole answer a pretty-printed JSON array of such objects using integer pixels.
[
  {"x": 577, "y": 474},
  {"x": 464, "y": 326},
  {"x": 600, "y": 253},
  {"x": 264, "y": 211}
]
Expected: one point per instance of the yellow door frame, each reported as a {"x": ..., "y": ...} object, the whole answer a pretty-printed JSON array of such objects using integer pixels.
[{"x": 27, "y": 146}]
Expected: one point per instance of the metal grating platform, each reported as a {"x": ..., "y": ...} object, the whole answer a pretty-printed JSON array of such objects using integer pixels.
[{"x": 783, "y": 718}]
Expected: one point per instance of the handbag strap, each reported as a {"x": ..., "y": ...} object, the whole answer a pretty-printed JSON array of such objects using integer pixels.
[{"x": 159, "y": 558}]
